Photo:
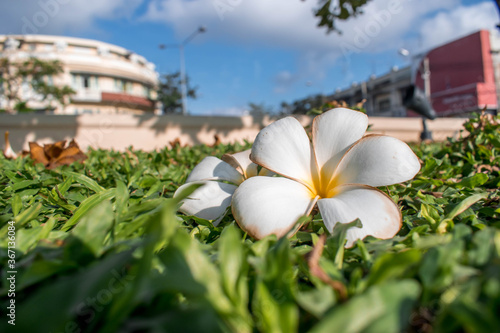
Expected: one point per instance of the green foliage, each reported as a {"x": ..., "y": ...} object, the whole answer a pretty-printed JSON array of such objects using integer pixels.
[
  {"x": 317, "y": 104},
  {"x": 170, "y": 92},
  {"x": 100, "y": 248},
  {"x": 304, "y": 105},
  {"x": 259, "y": 110},
  {"x": 329, "y": 12},
  {"x": 35, "y": 72}
]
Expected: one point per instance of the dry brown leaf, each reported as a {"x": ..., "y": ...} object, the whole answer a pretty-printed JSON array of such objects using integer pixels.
[
  {"x": 490, "y": 168},
  {"x": 52, "y": 151},
  {"x": 37, "y": 153},
  {"x": 8, "y": 152},
  {"x": 175, "y": 143},
  {"x": 216, "y": 140},
  {"x": 317, "y": 271},
  {"x": 56, "y": 154}
]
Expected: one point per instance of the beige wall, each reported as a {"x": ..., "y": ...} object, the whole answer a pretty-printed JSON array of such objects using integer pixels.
[{"x": 148, "y": 132}]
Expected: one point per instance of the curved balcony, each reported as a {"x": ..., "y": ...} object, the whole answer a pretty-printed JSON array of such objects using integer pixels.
[{"x": 125, "y": 99}]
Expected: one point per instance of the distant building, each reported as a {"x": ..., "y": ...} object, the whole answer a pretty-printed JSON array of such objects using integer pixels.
[
  {"x": 107, "y": 78},
  {"x": 465, "y": 76}
]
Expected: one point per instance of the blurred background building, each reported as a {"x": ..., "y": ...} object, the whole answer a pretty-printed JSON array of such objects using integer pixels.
[
  {"x": 106, "y": 78},
  {"x": 464, "y": 77}
]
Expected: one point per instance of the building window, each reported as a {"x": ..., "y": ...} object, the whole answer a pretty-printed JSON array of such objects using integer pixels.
[
  {"x": 147, "y": 92},
  {"x": 123, "y": 86},
  {"x": 129, "y": 87},
  {"x": 85, "y": 81},
  {"x": 384, "y": 105},
  {"x": 119, "y": 85}
]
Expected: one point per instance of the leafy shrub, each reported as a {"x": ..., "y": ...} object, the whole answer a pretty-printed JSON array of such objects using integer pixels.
[{"x": 99, "y": 247}]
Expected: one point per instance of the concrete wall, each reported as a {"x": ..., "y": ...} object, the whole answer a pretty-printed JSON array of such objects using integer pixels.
[{"x": 151, "y": 132}]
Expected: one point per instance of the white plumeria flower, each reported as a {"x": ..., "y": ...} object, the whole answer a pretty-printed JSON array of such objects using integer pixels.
[
  {"x": 338, "y": 171},
  {"x": 211, "y": 200}
]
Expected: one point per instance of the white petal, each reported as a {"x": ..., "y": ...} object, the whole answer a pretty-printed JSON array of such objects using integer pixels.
[
  {"x": 377, "y": 160},
  {"x": 265, "y": 172},
  {"x": 333, "y": 132},
  {"x": 379, "y": 215},
  {"x": 283, "y": 147},
  {"x": 241, "y": 162},
  {"x": 209, "y": 201},
  {"x": 270, "y": 205},
  {"x": 212, "y": 168}
]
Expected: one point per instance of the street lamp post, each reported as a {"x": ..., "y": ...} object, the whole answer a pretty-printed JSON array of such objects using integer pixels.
[{"x": 181, "y": 46}]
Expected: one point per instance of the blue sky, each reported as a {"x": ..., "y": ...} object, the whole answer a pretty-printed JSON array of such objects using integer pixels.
[{"x": 260, "y": 51}]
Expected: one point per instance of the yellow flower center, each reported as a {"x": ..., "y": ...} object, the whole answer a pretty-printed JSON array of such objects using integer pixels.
[{"x": 324, "y": 185}]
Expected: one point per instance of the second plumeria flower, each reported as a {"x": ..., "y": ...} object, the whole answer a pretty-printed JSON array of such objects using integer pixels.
[{"x": 219, "y": 179}]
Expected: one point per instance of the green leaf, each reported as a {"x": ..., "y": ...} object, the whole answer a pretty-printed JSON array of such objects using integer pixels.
[
  {"x": 17, "y": 204},
  {"x": 23, "y": 184},
  {"x": 78, "y": 294},
  {"x": 273, "y": 312},
  {"x": 94, "y": 226},
  {"x": 121, "y": 199},
  {"x": 338, "y": 239},
  {"x": 466, "y": 203},
  {"x": 233, "y": 266},
  {"x": 382, "y": 308},
  {"x": 87, "y": 205},
  {"x": 317, "y": 301},
  {"x": 84, "y": 180},
  {"x": 474, "y": 181},
  {"x": 393, "y": 266},
  {"x": 28, "y": 214}
]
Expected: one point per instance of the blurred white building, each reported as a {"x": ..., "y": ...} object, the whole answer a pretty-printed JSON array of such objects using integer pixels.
[{"x": 107, "y": 78}]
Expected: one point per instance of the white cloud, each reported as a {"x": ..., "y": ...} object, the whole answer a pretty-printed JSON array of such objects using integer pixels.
[
  {"x": 460, "y": 21},
  {"x": 58, "y": 16},
  {"x": 291, "y": 25},
  {"x": 283, "y": 80}
]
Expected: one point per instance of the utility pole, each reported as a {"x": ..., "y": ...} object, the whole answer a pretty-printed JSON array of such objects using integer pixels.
[
  {"x": 426, "y": 75},
  {"x": 181, "y": 46}
]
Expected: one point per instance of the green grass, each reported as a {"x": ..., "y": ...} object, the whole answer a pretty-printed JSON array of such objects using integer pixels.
[{"x": 100, "y": 248}]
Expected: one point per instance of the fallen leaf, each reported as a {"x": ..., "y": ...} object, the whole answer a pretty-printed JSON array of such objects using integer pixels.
[
  {"x": 216, "y": 141},
  {"x": 8, "y": 152},
  {"x": 52, "y": 151},
  {"x": 56, "y": 154},
  {"x": 175, "y": 143},
  {"x": 37, "y": 153}
]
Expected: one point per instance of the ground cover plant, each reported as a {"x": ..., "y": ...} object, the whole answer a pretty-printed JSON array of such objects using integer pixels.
[{"x": 100, "y": 247}]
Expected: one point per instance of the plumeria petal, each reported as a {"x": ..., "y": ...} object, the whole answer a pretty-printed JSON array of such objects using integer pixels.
[
  {"x": 209, "y": 201},
  {"x": 266, "y": 172},
  {"x": 212, "y": 168},
  {"x": 241, "y": 162},
  {"x": 377, "y": 160},
  {"x": 333, "y": 132},
  {"x": 270, "y": 205},
  {"x": 379, "y": 215},
  {"x": 283, "y": 147}
]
